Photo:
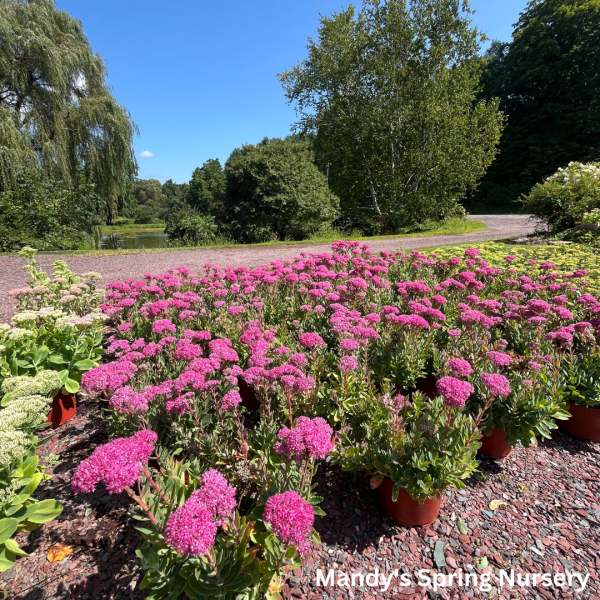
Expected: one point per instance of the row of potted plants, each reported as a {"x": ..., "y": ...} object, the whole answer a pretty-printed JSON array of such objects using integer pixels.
[{"x": 259, "y": 373}]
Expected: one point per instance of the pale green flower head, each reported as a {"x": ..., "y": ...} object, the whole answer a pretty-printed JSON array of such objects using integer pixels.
[
  {"x": 13, "y": 444},
  {"x": 26, "y": 319},
  {"x": 44, "y": 383},
  {"x": 18, "y": 334}
]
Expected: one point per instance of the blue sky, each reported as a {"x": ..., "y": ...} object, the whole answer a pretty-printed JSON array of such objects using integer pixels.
[{"x": 199, "y": 78}]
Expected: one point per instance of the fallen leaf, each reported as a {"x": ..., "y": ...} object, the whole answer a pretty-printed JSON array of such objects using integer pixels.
[
  {"x": 462, "y": 526},
  {"x": 59, "y": 552},
  {"x": 482, "y": 563},
  {"x": 496, "y": 504}
]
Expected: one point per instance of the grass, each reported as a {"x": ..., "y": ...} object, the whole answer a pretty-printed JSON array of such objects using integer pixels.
[{"x": 450, "y": 227}]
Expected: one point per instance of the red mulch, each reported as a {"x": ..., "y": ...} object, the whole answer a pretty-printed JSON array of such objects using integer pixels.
[{"x": 551, "y": 523}]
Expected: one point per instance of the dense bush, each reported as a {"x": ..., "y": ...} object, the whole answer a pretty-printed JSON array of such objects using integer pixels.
[
  {"x": 47, "y": 214},
  {"x": 275, "y": 191},
  {"x": 192, "y": 231},
  {"x": 563, "y": 200}
]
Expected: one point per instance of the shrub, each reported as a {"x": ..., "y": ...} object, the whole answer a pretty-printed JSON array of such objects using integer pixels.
[
  {"x": 47, "y": 214},
  {"x": 192, "y": 231},
  {"x": 564, "y": 198},
  {"x": 275, "y": 191}
]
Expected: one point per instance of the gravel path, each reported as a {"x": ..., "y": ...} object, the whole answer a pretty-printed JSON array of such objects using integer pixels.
[
  {"x": 122, "y": 266},
  {"x": 550, "y": 523}
]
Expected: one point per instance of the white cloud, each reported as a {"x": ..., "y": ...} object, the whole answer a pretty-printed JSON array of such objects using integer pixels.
[{"x": 146, "y": 154}]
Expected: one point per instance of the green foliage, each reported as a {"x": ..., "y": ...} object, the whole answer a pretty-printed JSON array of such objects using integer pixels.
[
  {"x": 422, "y": 446},
  {"x": 566, "y": 198},
  {"x": 548, "y": 82},
  {"x": 192, "y": 231},
  {"x": 47, "y": 214},
  {"x": 19, "y": 511},
  {"x": 206, "y": 189},
  {"x": 275, "y": 191},
  {"x": 390, "y": 94},
  {"x": 56, "y": 109}
]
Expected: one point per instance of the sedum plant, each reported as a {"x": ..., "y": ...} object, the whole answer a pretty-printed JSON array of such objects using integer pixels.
[
  {"x": 421, "y": 445},
  {"x": 25, "y": 405}
]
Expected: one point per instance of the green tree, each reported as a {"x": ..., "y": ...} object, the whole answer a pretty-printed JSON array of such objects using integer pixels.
[
  {"x": 548, "y": 82},
  {"x": 56, "y": 109},
  {"x": 207, "y": 188},
  {"x": 275, "y": 191},
  {"x": 390, "y": 92},
  {"x": 46, "y": 214}
]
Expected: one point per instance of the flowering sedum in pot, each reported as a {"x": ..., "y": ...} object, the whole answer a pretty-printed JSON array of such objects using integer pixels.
[
  {"x": 422, "y": 445},
  {"x": 203, "y": 537}
]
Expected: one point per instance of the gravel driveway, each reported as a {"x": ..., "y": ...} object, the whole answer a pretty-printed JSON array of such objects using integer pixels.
[{"x": 136, "y": 264}]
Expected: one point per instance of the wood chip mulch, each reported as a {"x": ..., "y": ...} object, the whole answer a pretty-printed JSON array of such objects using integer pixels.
[{"x": 550, "y": 523}]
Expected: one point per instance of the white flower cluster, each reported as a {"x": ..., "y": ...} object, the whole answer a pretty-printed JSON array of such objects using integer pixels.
[
  {"x": 576, "y": 171},
  {"x": 25, "y": 414},
  {"x": 44, "y": 383},
  {"x": 13, "y": 444},
  {"x": 17, "y": 334},
  {"x": 27, "y": 409}
]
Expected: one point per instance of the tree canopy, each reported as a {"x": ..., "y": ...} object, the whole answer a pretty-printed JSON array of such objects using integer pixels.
[
  {"x": 275, "y": 191},
  {"x": 548, "y": 82},
  {"x": 390, "y": 92},
  {"x": 57, "y": 112}
]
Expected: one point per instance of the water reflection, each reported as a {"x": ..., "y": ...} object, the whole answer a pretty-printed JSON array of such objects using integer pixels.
[{"x": 133, "y": 241}]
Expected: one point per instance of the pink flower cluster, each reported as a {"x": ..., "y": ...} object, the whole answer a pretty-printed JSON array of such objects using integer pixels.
[
  {"x": 308, "y": 439},
  {"x": 455, "y": 391},
  {"x": 191, "y": 529},
  {"x": 497, "y": 385},
  {"x": 291, "y": 518},
  {"x": 117, "y": 464}
]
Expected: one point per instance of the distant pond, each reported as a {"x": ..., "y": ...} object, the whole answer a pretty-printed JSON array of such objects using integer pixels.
[{"x": 133, "y": 241}]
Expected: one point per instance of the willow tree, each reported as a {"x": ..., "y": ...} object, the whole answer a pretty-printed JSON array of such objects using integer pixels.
[
  {"x": 57, "y": 112},
  {"x": 390, "y": 92}
]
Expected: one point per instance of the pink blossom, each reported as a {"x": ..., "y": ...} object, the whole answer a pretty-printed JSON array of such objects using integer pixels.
[
  {"x": 230, "y": 400},
  {"x": 117, "y": 464},
  {"x": 109, "y": 377},
  {"x": 291, "y": 518},
  {"x": 497, "y": 385},
  {"x": 347, "y": 363},
  {"x": 128, "y": 402},
  {"x": 311, "y": 340},
  {"x": 459, "y": 367},
  {"x": 191, "y": 529},
  {"x": 455, "y": 391},
  {"x": 216, "y": 495},
  {"x": 162, "y": 325},
  {"x": 499, "y": 359},
  {"x": 180, "y": 405},
  {"x": 308, "y": 439}
]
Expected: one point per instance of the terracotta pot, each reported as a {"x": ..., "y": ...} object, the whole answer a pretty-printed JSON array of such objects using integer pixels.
[
  {"x": 63, "y": 409},
  {"x": 494, "y": 445},
  {"x": 584, "y": 423},
  {"x": 249, "y": 398},
  {"x": 427, "y": 385},
  {"x": 405, "y": 510}
]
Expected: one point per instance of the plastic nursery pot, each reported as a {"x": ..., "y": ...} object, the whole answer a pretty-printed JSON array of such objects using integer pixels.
[
  {"x": 405, "y": 510},
  {"x": 584, "y": 423},
  {"x": 494, "y": 445},
  {"x": 249, "y": 398},
  {"x": 63, "y": 409}
]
